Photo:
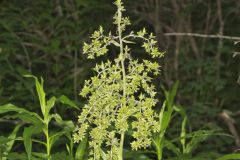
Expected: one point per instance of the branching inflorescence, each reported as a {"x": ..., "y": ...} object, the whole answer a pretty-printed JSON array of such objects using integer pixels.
[{"x": 121, "y": 95}]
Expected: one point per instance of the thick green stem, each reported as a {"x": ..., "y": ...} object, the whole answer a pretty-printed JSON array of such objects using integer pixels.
[
  {"x": 159, "y": 154},
  {"x": 158, "y": 145},
  {"x": 122, "y": 57},
  {"x": 120, "y": 156},
  {"x": 48, "y": 147}
]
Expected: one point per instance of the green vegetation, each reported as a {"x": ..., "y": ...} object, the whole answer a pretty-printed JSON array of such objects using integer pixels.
[
  {"x": 39, "y": 125},
  {"x": 119, "y": 93},
  {"x": 159, "y": 87}
]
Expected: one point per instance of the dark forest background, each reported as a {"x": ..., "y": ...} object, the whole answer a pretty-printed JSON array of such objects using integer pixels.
[{"x": 45, "y": 38}]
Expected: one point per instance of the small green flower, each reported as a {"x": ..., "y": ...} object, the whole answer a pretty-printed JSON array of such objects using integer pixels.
[{"x": 121, "y": 95}]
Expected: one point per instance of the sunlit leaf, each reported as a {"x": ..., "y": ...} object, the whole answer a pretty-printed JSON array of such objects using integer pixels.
[
  {"x": 21, "y": 111},
  {"x": 40, "y": 92},
  {"x": 233, "y": 156},
  {"x": 65, "y": 100},
  {"x": 81, "y": 149}
]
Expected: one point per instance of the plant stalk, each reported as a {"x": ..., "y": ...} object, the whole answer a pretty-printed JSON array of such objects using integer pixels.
[
  {"x": 158, "y": 148},
  {"x": 120, "y": 157},
  {"x": 48, "y": 147},
  {"x": 159, "y": 153},
  {"x": 122, "y": 57}
]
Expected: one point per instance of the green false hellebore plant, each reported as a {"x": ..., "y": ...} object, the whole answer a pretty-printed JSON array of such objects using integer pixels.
[{"x": 121, "y": 95}]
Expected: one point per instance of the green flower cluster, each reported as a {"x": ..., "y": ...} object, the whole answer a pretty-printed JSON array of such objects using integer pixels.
[{"x": 121, "y": 96}]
